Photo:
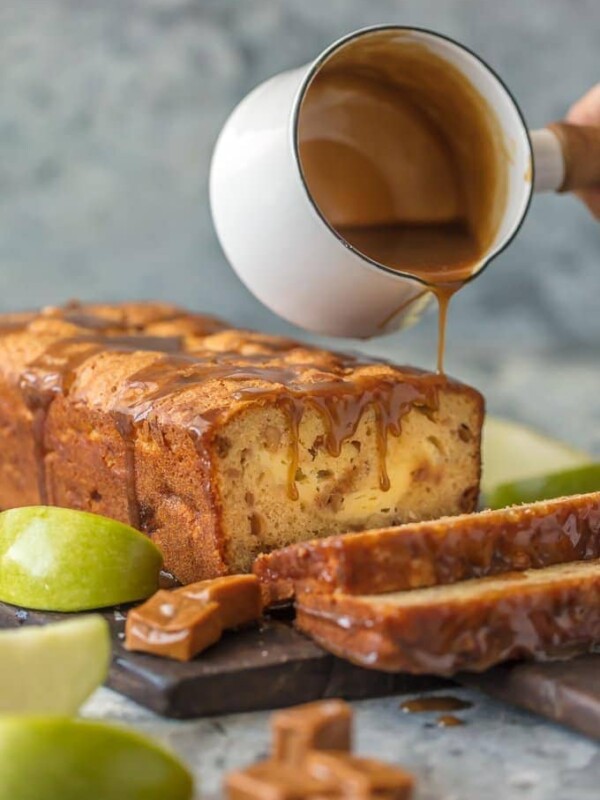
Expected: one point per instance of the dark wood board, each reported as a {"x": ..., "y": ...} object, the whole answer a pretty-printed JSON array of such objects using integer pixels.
[
  {"x": 259, "y": 668},
  {"x": 275, "y": 666},
  {"x": 567, "y": 692}
]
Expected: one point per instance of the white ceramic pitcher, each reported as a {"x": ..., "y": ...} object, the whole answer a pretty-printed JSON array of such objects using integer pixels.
[{"x": 286, "y": 252}]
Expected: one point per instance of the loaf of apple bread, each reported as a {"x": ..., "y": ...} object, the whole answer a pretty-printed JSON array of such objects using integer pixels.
[{"x": 219, "y": 443}]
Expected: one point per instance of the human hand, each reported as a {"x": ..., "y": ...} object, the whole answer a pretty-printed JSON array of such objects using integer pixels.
[{"x": 586, "y": 111}]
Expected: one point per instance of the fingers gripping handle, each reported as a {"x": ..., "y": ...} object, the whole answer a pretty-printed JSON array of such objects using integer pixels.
[{"x": 566, "y": 157}]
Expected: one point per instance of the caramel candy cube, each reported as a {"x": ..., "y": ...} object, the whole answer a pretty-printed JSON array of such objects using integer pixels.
[
  {"x": 270, "y": 780},
  {"x": 359, "y": 778},
  {"x": 238, "y": 596},
  {"x": 324, "y": 725},
  {"x": 172, "y": 625}
]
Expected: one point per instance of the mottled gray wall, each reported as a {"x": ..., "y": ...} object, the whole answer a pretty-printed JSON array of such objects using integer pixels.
[{"x": 109, "y": 110}]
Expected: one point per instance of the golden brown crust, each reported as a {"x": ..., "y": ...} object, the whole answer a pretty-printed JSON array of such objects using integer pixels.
[
  {"x": 438, "y": 552},
  {"x": 120, "y": 409},
  {"x": 540, "y": 614}
]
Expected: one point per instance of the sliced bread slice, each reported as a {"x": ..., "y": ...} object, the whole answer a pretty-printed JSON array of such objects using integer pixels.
[
  {"x": 545, "y": 613},
  {"x": 439, "y": 552}
]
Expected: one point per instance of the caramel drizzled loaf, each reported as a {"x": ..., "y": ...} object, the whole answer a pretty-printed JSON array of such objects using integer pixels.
[
  {"x": 220, "y": 443},
  {"x": 548, "y": 613}
]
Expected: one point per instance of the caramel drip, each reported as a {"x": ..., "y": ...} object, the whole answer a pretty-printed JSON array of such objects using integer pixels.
[
  {"x": 294, "y": 413},
  {"x": 341, "y": 415},
  {"x": 443, "y": 293},
  {"x": 449, "y": 721},
  {"x": 339, "y": 399},
  {"x": 435, "y": 703}
]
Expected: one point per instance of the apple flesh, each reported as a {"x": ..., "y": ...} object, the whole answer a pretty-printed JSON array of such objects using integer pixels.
[
  {"x": 57, "y": 758},
  {"x": 57, "y": 559},
  {"x": 53, "y": 669}
]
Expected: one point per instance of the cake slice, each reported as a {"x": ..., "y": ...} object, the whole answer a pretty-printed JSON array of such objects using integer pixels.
[
  {"x": 542, "y": 614},
  {"x": 221, "y": 443},
  {"x": 439, "y": 552}
]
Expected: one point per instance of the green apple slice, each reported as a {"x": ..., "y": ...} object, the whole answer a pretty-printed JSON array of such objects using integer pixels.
[
  {"x": 557, "y": 484},
  {"x": 53, "y": 669},
  {"x": 55, "y": 758},
  {"x": 57, "y": 559},
  {"x": 513, "y": 452}
]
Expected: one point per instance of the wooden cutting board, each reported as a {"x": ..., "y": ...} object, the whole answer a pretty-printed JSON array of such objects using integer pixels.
[
  {"x": 564, "y": 691},
  {"x": 259, "y": 668},
  {"x": 275, "y": 666}
]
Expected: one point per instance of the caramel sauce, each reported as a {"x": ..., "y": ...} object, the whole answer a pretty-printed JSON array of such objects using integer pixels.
[
  {"x": 434, "y": 703},
  {"x": 404, "y": 159},
  {"x": 449, "y": 721},
  {"x": 339, "y": 395},
  {"x": 339, "y": 398}
]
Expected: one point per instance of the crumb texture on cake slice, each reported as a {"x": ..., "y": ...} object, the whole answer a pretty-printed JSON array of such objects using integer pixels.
[
  {"x": 546, "y": 613},
  {"x": 432, "y": 470},
  {"x": 222, "y": 443}
]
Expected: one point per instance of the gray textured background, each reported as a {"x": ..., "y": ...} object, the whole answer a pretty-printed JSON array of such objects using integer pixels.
[{"x": 109, "y": 111}]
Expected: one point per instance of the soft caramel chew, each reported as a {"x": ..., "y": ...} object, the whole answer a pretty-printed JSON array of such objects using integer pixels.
[
  {"x": 552, "y": 612},
  {"x": 439, "y": 552},
  {"x": 311, "y": 760},
  {"x": 220, "y": 443},
  {"x": 174, "y": 627},
  {"x": 360, "y": 777},
  {"x": 181, "y": 623},
  {"x": 324, "y": 725},
  {"x": 321, "y": 776},
  {"x": 271, "y": 780},
  {"x": 238, "y": 597}
]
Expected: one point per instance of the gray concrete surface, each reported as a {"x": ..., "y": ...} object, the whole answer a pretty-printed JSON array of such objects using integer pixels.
[
  {"x": 108, "y": 113},
  {"x": 500, "y": 753}
]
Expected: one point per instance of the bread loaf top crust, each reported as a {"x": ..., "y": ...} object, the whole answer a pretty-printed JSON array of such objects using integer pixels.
[
  {"x": 191, "y": 359},
  {"x": 156, "y": 362},
  {"x": 146, "y": 413}
]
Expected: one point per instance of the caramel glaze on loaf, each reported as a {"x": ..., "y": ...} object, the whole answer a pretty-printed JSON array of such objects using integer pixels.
[
  {"x": 221, "y": 443},
  {"x": 438, "y": 552},
  {"x": 542, "y": 614}
]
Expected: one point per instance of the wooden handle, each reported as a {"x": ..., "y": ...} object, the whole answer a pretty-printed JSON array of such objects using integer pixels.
[{"x": 581, "y": 151}]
